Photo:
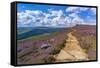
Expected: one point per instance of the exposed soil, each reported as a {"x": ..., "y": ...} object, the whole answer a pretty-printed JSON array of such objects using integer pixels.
[{"x": 72, "y": 50}]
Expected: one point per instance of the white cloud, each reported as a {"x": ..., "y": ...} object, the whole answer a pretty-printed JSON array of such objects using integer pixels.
[
  {"x": 75, "y": 19},
  {"x": 56, "y": 20},
  {"x": 33, "y": 18},
  {"x": 76, "y": 9},
  {"x": 23, "y": 18},
  {"x": 93, "y": 10},
  {"x": 83, "y": 8},
  {"x": 60, "y": 20},
  {"x": 79, "y": 9},
  {"x": 70, "y": 9},
  {"x": 33, "y": 12},
  {"x": 73, "y": 15},
  {"x": 30, "y": 17},
  {"x": 56, "y": 13},
  {"x": 52, "y": 18}
]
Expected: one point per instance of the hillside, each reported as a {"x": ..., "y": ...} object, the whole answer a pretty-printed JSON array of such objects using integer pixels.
[
  {"x": 44, "y": 48},
  {"x": 72, "y": 51}
]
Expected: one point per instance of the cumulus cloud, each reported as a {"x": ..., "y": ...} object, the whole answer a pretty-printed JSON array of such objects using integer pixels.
[
  {"x": 76, "y": 19},
  {"x": 73, "y": 15},
  {"x": 33, "y": 12},
  {"x": 38, "y": 18},
  {"x": 71, "y": 9},
  {"x": 76, "y": 9},
  {"x": 30, "y": 17},
  {"x": 23, "y": 18},
  {"x": 52, "y": 18},
  {"x": 57, "y": 13},
  {"x": 93, "y": 10},
  {"x": 79, "y": 9}
]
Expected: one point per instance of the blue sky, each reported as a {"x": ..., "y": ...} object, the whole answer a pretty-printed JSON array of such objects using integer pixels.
[
  {"x": 44, "y": 8},
  {"x": 32, "y": 15}
]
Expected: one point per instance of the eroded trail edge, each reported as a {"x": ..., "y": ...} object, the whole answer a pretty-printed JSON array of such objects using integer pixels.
[{"x": 72, "y": 51}]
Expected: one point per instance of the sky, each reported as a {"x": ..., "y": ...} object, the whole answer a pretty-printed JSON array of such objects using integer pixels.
[{"x": 35, "y": 15}]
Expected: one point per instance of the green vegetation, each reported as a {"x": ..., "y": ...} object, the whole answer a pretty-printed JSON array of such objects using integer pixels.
[
  {"x": 88, "y": 43},
  {"x": 35, "y": 37},
  {"x": 49, "y": 59},
  {"x": 43, "y": 36},
  {"x": 85, "y": 42},
  {"x": 55, "y": 33},
  {"x": 23, "y": 30},
  {"x": 34, "y": 48},
  {"x": 55, "y": 51},
  {"x": 57, "y": 48},
  {"x": 93, "y": 45}
]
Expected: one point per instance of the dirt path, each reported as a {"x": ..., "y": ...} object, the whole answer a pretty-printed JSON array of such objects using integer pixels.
[{"x": 72, "y": 51}]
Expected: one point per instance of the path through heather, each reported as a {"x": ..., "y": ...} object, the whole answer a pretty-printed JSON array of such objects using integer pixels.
[{"x": 72, "y": 50}]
